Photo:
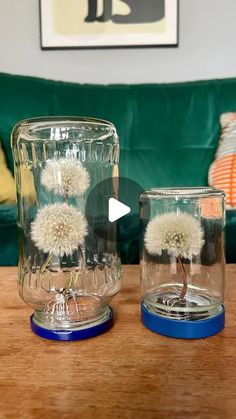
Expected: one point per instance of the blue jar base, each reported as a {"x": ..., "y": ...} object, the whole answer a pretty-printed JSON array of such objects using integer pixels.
[
  {"x": 89, "y": 331},
  {"x": 183, "y": 329}
]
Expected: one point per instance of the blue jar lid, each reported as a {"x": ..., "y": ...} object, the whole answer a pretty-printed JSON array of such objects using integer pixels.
[
  {"x": 69, "y": 335},
  {"x": 185, "y": 329}
]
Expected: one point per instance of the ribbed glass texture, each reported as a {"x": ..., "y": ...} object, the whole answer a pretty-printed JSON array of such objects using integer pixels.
[
  {"x": 67, "y": 273},
  {"x": 183, "y": 262}
]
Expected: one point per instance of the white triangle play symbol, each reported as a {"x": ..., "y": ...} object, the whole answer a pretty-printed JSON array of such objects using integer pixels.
[{"x": 116, "y": 209}]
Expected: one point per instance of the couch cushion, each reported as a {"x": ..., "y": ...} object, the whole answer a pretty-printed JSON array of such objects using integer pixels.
[{"x": 168, "y": 132}]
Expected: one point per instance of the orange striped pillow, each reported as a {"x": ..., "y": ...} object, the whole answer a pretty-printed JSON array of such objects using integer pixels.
[{"x": 222, "y": 172}]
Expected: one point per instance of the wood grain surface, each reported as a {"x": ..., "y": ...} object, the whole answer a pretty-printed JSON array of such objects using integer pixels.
[{"x": 129, "y": 372}]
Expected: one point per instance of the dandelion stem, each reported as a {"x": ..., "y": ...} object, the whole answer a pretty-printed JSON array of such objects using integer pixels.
[
  {"x": 46, "y": 263},
  {"x": 185, "y": 279},
  {"x": 81, "y": 266},
  {"x": 71, "y": 280},
  {"x": 81, "y": 256}
]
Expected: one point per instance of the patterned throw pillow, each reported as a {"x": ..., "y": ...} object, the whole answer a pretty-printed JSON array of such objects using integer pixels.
[
  {"x": 7, "y": 183},
  {"x": 222, "y": 172}
]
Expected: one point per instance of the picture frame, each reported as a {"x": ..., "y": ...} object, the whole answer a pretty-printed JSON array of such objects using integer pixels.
[{"x": 72, "y": 24}]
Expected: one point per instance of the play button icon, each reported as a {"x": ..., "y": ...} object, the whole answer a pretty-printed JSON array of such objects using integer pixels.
[
  {"x": 112, "y": 215},
  {"x": 117, "y": 209}
]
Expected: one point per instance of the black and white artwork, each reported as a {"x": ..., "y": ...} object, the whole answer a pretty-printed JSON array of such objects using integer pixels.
[
  {"x": 108, "y": 23},
  {"x": 140, "y": 11}
]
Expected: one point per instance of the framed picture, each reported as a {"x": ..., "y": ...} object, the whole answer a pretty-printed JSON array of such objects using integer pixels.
[{"x": 108, "y": 23}]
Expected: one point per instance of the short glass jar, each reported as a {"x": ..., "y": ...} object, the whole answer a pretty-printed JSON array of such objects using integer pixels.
[
  {"x": 67, "y": 273},
  {"x": 183, "y": 261}
]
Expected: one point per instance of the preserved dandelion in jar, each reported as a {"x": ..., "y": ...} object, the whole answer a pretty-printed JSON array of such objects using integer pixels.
[
  {"x": 67, "y": 273},
  {"x": 183, "y": 261}
]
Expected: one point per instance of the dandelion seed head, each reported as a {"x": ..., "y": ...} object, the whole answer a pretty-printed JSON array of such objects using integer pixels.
[
  {"x": 180, "y": 234},
  {"x": 66, "y": 177},
  {"x": 58, "y": 229}
]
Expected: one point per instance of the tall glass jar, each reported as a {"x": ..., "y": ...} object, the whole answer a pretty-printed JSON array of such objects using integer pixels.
[
  {"x": 67, "y": 273},
  {"x": 183, "y": 262}
]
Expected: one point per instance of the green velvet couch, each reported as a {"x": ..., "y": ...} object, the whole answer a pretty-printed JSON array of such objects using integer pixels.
[{"x": 168, "y": 134}]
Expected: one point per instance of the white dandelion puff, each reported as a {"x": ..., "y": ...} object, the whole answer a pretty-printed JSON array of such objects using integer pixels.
[
  {"x": 180, "y": 234},
  {"x": 58, "y": 229},
  {"x": 66, "y": 177}
]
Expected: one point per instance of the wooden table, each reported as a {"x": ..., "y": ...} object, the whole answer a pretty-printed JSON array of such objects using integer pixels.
[{"x": 128, "y": 372}]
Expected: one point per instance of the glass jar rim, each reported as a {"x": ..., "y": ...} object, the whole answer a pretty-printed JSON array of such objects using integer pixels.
[
  {"x": 182, "y": 192},
  {"x": 30, "y": 126}
]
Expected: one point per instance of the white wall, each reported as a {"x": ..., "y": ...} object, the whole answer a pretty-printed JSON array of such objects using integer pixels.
[{"x": 207, "y": 48}]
